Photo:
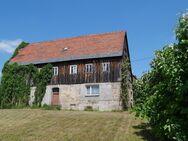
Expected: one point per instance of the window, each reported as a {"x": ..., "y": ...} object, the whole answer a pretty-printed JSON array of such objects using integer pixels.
[
  {"x": 89, "y": 68},
  {"x": 92, "y": 90},
  {"x": 106, "y": 67},
  {"x": 73, "y": 69},
  {"x": 55, "y": 71},
  {"x": 55, "y": 90}
]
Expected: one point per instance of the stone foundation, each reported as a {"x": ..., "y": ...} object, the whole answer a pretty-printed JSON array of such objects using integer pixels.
[{"x": 75, "y": 96}]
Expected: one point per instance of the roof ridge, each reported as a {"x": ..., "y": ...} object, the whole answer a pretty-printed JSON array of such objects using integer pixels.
[{"x": 94, "y": 34}]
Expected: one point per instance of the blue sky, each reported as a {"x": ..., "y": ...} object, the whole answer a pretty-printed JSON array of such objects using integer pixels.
[{"x": 150, "y": 24}]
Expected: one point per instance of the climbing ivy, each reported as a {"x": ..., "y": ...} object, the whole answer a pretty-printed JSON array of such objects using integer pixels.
[
  {"x": 22, "y": 45},
  {"x": 42, "y": 78},
  {"x": 17, "y": 80},
  {"x": 15, "y": 85},
  {"x": 125, "y": 76}
]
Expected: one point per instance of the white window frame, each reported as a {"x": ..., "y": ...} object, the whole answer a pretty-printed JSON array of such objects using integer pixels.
[
  {"x": 106, "y": 67},
  {"x": 89, "y": 68},
  {"x": 90, "y": 90},
  {"x": 55, "y": 71},
  {"x": 73, "y": 69}
]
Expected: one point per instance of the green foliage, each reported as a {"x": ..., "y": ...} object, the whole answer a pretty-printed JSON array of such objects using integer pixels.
[
  {"x": 22, "y": 45},
  {"x": 88, "y": 108},
  {"x": 1, "y": 93},
  {"x": 142, "y": 91},
  {"x": 49, "y": 107},
  {"x": 162, "y": 94},
  {"x": 15, "y": 85},
  {"x": 182, "y": 29},
  {"x": 117, "y": 111},
  {"x": 125, "y": 75},
  {"x": 17, "y": 80},
  {"x": 42, "y": 78}
]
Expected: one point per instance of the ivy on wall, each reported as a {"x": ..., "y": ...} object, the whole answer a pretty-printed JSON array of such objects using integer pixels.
[
  {"x": 15, "y": 86},
  {"x": 17, "y": 80},
  {"x": 125, "y": 76},
  {"x": 42, "y": 78},
  {"x": 22, "y": 45}
]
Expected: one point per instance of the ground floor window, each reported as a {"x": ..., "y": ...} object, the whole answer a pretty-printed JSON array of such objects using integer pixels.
[{"x": 92, "y": 90}]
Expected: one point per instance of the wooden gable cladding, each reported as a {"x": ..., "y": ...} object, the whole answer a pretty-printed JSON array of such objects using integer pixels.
[{"x": 96, "y": 76}]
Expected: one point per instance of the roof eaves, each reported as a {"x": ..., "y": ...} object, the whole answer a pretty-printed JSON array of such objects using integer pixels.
[{"x": 72, "y": 58}]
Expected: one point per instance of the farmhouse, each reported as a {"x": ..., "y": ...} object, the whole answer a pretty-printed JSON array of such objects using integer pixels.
[{"x": 86, "y": 70}]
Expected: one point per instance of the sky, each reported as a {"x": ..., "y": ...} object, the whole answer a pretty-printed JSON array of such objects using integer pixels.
[{"x": 150, "y": 24}]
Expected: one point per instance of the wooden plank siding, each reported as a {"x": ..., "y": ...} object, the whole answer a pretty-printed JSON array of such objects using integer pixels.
[{"x": 97, "y": 76}]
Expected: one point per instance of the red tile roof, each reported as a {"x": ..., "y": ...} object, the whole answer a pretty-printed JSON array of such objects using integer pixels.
[{"x": 82, "y": 47}]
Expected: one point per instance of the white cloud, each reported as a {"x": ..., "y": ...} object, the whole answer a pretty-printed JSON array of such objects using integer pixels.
[{"x": 9, "y": 46}]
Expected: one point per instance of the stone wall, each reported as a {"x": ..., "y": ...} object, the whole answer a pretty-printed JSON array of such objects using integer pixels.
[{"x": 75, "y": 96}]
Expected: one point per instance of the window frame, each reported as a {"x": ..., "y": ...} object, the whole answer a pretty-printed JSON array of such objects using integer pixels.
[
  {"x": 91, "y": 90},
  {"x": 90, "y": 67},
  {"x": 74, "y": 70},
  {"x": 55, "y": 71},
  {"x": 106, "y": 67}
]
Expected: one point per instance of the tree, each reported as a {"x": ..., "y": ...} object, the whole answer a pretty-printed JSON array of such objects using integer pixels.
[{"x": 162, "y": 94}]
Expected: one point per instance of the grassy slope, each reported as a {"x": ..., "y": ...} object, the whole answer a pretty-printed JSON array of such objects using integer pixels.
[{"x": 42, "y": 125}]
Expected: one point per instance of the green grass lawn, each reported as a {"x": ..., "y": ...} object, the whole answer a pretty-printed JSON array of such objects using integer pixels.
[{"x": 48, "y": 125}]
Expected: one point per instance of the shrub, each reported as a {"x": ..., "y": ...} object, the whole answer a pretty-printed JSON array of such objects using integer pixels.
[
  {"x": 88, "y": 108},
  {"x": 50, "y": 107},
  {"x": 161, "y": 94}
]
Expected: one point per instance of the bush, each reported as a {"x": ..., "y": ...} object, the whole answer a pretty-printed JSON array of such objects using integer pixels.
[
  {"x": 161, "y": 95},
  {"x": 49, "y": 107},
  {"x": 117, "y": 110},
  {"x": 34, "y": 106},
  {"x": 88, "y": 108}
]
